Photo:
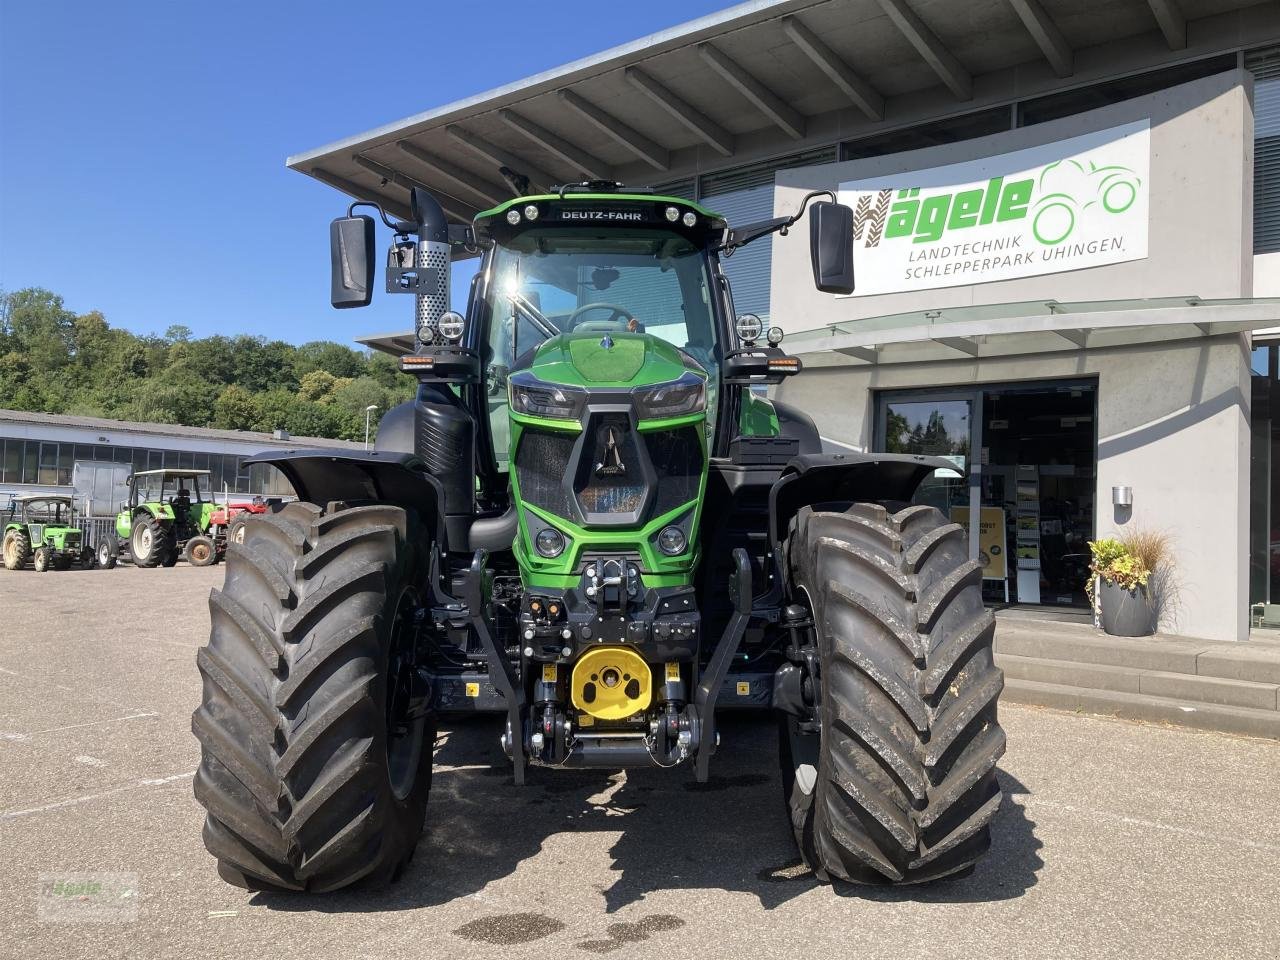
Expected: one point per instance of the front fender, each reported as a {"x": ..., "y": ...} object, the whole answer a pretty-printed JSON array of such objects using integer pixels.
[
  {"x": 845, "y": 477},
  {"x": 400, "y": 479}
]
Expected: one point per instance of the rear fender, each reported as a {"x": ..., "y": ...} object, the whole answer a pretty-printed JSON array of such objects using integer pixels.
[
  {"x": 400, "y": 479},
  {"x": 845, "y": 477}
]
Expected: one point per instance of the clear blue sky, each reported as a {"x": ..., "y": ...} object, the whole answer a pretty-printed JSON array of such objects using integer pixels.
[{"x": 142, "y": 144}]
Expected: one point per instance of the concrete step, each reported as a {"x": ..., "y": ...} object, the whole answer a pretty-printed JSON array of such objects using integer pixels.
[
  {"x": 1190, "y": 688},
  {"x": 1242, "y": 721},
  {"x": 1248, "y": 660}
]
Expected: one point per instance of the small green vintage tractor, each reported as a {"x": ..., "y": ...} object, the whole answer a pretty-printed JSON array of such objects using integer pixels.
[
  {"x": 167, "y": 517},
  {"x": 41, "y": 528},
  {"x": 593, "y": 521}
]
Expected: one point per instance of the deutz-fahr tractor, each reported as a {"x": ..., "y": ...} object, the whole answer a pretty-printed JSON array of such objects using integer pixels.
[
  {"x": 167, "y": 517},
  {"x": 41, "y": 528},
  {"x": 592, "y": 521}
]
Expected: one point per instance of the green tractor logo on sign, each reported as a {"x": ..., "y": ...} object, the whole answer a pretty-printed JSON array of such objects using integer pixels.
[{"x": 1059, "y": 187}]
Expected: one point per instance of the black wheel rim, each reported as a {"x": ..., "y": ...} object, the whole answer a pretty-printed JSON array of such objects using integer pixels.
[{"x": 404, "y": 735}]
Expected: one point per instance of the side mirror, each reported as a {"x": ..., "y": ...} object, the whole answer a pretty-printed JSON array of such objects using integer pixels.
[
  {"x": 831, "y": 246},
  {"x": 351, "y": 261}
]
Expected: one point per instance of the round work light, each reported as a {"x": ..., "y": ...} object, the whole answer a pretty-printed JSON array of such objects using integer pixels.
[
  {"x": 749, "y": 328},
  {"x": 671, "y": 541},
  {"x": 513, "y": 216},
  {"x": 549, "y": 543},
  {"x": 531, "y": 212},
  {"x": 672, "y": 214},
  {"x": 451, "y": 326}
]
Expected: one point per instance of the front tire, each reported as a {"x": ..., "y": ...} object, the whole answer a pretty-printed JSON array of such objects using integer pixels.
[
  {"x": 310, "y": 780},
  {"x": 17, "y": 549},
  {"x": 107, "y": 555},
  {"x": 41, "y": 560},
  {"x": 200, "y": 552},
  {"x": 897, "y": 784}
]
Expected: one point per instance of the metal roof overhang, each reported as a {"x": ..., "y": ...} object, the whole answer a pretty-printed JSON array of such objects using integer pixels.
[
  {"x": 1020, "y": 329},
  {"x": 767, "y": 78}
]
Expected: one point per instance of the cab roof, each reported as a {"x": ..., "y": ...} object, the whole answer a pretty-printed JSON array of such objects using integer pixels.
[{"x": 171, "y": 473}]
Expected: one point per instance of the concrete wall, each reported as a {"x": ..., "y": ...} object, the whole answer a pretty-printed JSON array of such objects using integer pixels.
[
  {"x": 1173, "y": 423},
  {"x": 1200, "y": 234}
]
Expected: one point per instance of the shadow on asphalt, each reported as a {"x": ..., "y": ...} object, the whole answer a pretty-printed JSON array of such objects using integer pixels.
[{"x": 730, "y": 834}]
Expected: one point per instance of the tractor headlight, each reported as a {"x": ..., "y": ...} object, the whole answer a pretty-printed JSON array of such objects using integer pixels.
[
  {"x": 513, "y": 216},
  {"x": 686, "y": 395},
  {"x": 533, "y": 398},
  {"x": 672, "y": 214}
]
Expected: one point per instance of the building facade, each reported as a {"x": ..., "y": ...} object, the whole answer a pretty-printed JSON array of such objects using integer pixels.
[
  {"x": 1067, "y": 248},
  {"x": 38, "y": 452}
]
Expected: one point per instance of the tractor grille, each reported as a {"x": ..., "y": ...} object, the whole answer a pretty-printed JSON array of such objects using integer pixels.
[
  {"x": 542, "y": 462},
  {"x": 609, "y": 477},
  {"x": 677, "y": 457}
]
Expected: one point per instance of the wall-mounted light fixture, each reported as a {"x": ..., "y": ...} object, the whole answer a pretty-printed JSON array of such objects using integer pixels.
[{"x": 1122, "y": 496}]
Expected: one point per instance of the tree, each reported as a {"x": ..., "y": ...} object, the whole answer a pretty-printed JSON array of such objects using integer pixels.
[{"x": 235, "y": 409}]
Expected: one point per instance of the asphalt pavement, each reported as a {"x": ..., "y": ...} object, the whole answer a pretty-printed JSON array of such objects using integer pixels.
[{"x": 1114, "y": 840}]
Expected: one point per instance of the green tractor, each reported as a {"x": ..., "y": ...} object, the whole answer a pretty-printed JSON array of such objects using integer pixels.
[
  {"x": 166, "y": 517},
  {"x": 593, "y": 522},
  {"x": 41, "y": 528}
]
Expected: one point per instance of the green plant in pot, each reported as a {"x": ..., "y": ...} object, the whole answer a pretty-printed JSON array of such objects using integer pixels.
[{"x": 1123, "y": 570}]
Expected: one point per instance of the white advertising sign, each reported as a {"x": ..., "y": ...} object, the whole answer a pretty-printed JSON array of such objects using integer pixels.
[{"x": 1081, "y": 202}]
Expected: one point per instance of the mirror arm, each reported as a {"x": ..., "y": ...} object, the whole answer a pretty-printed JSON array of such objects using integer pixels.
[{"x": 741, "y": 236}]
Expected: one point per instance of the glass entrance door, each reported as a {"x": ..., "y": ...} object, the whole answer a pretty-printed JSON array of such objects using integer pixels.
[{"x": 938, "y": 424}]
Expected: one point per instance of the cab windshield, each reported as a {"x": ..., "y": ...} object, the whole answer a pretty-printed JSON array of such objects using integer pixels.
[{"x": 555, "y": 280}]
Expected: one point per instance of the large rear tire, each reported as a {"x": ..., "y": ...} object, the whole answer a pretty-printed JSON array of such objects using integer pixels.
[
  {"x": 147, "y": 541},
  {"x": 897, "y": 784},
  {"x": 310, "y": 779},
  {"x": 17, "y": 549}
]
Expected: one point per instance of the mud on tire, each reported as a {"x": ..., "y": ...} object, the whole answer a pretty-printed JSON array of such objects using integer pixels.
[
  {"x": 295, "y": 771},
  {"x": 899, "y": 786}
]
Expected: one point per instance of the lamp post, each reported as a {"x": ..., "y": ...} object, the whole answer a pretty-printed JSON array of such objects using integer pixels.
[{"x": 367, "y": 411}]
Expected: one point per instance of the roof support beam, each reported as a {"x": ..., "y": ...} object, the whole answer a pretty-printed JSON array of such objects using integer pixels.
[
  {"x": 1173, "y": 24},
  {"x": 1079, "y": 338},
  {"x": 452, "y": 206},
  {"x": 651, "y": 153},
  {"x": 580, "y": 160},
  {"x": 538, "y": 179},
  {"x": 765, "y": 100},
  {"x": 966, "y": 345},
  {"x": 1047, "y": 36},
  {"x": 490, "y": 193},
  {"x": 869, "y": 354},
  {"x": 864, "y": 96},
  {"x": 693, "y": 120},
  {"x": 359, "y": 192},
  {"x": 949, "y": 70}
]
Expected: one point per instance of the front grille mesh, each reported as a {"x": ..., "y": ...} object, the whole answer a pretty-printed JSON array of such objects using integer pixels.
[
  {"x": 677, "y": 458},
  {"x": 542, "y": 462}
]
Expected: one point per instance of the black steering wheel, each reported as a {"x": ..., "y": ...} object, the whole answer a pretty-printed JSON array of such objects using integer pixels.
[{"x": 617, "y": 314}]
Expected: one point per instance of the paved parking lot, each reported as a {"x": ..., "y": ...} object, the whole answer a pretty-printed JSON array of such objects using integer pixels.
[{"x": 1115, "y": 840}]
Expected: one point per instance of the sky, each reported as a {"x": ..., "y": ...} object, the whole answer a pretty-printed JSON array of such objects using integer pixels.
[{"x": 142, "y": 144}]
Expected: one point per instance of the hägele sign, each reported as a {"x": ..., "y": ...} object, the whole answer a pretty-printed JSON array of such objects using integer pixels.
[{"x": 1076, "y": 203}]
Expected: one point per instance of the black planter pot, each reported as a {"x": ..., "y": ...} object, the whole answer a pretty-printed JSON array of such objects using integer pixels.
[{"x": 1126, "y": 613}]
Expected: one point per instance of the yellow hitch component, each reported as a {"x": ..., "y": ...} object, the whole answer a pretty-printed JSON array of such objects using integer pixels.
[{"x": 611, "y": 683}]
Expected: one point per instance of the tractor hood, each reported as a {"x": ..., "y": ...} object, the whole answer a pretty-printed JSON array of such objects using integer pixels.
[{"x": 607, "y": 360}]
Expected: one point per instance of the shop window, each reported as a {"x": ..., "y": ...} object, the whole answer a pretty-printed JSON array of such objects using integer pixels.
[
  {"x": 11, "y": 461},
  {"x": 1264, "y": 487},
  {"x": 31, "y": 461}
]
